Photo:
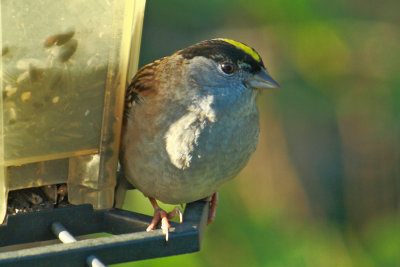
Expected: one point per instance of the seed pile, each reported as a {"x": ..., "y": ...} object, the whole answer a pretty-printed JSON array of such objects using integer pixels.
[{"x": 36, "y": 199}]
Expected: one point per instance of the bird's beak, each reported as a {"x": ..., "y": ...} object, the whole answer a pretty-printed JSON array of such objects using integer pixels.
[{"x": 262, "y": 80}]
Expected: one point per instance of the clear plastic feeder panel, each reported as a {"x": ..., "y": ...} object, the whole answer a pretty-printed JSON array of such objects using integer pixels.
[{"x": 64, "y": 68}]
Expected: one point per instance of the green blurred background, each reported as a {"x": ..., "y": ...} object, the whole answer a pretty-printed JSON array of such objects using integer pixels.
[{"x": 323, "y": 186}]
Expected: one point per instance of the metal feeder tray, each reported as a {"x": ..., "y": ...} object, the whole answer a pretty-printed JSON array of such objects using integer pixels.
[{"x": 130, "y": 241}]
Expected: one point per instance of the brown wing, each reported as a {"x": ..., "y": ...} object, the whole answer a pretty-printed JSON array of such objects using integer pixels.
[{"x": 142, "y": 84}]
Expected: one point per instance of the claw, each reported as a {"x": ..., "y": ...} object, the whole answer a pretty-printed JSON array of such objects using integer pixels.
[
  {"x": 165, "y": 227},
  {"x": 161, "y": 216},
  {"x": 174, "y": 212}
]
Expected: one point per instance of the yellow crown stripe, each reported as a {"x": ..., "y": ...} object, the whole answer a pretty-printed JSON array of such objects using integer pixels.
[{"x": 248, "y": 50}]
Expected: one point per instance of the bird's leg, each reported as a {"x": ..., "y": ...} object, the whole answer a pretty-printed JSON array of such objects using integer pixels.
[
  {"x": 161, "y": 215},
  {"x": 213, "y": 208}
]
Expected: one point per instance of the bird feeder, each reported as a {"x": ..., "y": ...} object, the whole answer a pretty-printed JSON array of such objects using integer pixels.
[{"x": 64, "y": 68}]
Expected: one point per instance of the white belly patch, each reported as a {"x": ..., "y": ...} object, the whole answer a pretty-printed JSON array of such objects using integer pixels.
[{"x": 182, "y": 136}]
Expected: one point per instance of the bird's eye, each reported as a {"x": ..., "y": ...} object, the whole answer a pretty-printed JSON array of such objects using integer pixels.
[{"x": 228, "y": 68}]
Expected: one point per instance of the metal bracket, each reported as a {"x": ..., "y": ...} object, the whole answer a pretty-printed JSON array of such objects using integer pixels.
[{"x": 130, "y": 241}]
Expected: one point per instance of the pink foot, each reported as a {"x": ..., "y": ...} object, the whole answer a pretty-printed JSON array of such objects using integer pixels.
[
  {"x": 161, "y": 215},
  {"x": 213, "y": 208}
]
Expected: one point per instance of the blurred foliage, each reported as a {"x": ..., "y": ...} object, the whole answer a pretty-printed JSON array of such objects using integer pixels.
[{"x": 323, "y": 187}]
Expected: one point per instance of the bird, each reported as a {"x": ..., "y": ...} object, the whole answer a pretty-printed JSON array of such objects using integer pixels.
[{"x": 191, "y": 123}]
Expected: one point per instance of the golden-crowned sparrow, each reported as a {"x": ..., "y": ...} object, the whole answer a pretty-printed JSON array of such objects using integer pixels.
[{"x": 191, "y": 123}]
